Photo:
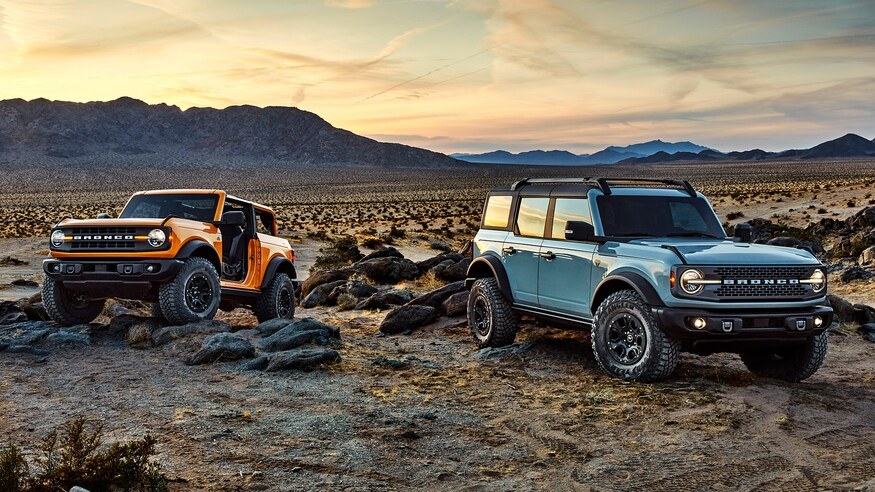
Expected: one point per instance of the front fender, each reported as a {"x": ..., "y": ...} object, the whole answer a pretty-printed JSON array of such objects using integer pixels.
[{"x": 638, "y": 282}]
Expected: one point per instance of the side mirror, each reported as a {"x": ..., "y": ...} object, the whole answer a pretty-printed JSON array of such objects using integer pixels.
[
  {"x": 235, "y": 218},
  {"x": 743, "y": 233},
  {"x": 581, "y": 231},
  {"x": 104, "y": 216}
]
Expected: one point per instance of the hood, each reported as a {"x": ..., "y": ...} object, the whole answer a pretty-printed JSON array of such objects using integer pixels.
[
  {"x": 728, "y": 253},
  {"x": 110, "y": 222}
]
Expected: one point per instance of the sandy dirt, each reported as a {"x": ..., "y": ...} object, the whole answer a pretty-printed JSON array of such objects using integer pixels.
[
  {"x": 430, "y": 411},
  {"x": 538, "y": 417}
]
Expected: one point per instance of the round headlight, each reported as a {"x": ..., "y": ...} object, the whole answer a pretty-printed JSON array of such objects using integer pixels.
[
  {"x": 57, "y": 238},
  {"x": 156, "y": 238},
  {"x": 818, "y": 281},
  {"x": 691, "y": 288}
]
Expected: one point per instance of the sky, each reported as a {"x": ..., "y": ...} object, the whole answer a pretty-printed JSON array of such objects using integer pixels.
[{"x": 471, "y": 75}]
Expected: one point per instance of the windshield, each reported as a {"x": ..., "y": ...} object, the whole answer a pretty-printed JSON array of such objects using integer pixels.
[
  {"x": 201, "y": 208},
  {"x": 658, "y": 216}
]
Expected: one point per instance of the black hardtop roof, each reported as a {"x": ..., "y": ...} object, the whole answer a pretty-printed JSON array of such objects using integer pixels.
[{"x": 575, "y": 186}]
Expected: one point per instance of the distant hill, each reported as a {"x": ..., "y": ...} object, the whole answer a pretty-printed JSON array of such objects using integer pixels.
[
  {"x": 850, "y": 145},
  {"x": 608, "y": 155},
  {"x": 654, "y": 146},
  {"x": 128, "y": 127}
]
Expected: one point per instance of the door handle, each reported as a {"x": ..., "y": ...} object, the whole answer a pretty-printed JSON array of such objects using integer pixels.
[
  {"x": 509, "y": 250},
  {"x": 549, "y": 256}
]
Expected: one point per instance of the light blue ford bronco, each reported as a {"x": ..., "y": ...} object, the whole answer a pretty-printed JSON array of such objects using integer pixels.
[{"x": 646, "y": 266}]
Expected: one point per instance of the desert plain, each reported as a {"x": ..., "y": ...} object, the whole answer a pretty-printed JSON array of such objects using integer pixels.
[{"x": 426, "y": 409}]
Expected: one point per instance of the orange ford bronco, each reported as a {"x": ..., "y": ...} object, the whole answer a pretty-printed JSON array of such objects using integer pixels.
[{"x": 191, "y": 252}]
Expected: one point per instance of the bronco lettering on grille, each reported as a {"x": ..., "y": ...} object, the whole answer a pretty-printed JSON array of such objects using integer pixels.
[
  {"x": 761, "y": 281},
  {"x": 104, "y": 237}
]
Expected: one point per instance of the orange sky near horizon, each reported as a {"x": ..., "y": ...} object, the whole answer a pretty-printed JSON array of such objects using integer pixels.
[{"x": 471, "y": 75}]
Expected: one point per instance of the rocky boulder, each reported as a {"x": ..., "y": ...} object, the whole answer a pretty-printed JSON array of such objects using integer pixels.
[
  {"x": 406, "y": 318},
  {"x": 867, "y": 257},
  {"x": 323, "y": 277},
  {"x": 452, "y": 271},
  {"x": 319, "y": 295},
  {"x": 456, "y": 304},
  {"x": 864, "y": 314},
  {"x": 301, "y": 359},
  {"x": 387, "y": 252},
  {"x": 426, "y": 265},
  {"x": 868, "y": 331},
  {"x": 301, "y": 332},
  {"x": 38, "y": 337},
  {"x": 785, "y": 241},
  {"x": 855, "y": 272},
  {"x": 388, "y": 270},
  {"x": 11, "y": 313},
  {"x": 385, "y": 299},
  {"x": 437, "y": 297},
  {"x": 167, "y": 334},
  {"x": 844, "y": 310},
  {"x": 223, "y": 346}
]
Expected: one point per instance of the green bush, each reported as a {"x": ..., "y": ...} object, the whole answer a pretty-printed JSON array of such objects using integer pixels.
[{"x": 75, "y": 455}]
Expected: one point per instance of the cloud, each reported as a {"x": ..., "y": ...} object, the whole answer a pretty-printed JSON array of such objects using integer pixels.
[{"x": 350, "y": 4}]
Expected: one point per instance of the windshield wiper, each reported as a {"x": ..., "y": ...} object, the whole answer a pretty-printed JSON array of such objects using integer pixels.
[
  {"x": 634, "y": 234},
  {"x": 691, "y": 234}
]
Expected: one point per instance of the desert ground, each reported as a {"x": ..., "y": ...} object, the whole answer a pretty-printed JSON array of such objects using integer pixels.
[{"x": 426, "y": 409}]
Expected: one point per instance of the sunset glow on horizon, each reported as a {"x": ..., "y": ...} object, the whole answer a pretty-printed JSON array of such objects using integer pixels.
[{"x": 471, "y": 75}]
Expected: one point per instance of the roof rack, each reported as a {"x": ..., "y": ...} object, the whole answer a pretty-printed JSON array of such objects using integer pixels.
[{"x": 604, "y": 184}]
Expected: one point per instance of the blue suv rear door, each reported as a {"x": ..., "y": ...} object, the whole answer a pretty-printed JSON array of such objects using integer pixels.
[
  {"x": 565, "y": 266},
  {"x": 522, "y": 249}
]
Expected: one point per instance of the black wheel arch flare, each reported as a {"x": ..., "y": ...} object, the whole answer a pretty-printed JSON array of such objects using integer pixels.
[
  {"x": 201, "y": 248},
  {"x": 489, "y": 266},
  {"x": 278, "y": 265},
  {"x": 622, "y": 281}
]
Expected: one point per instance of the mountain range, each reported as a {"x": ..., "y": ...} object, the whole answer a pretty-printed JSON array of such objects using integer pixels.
[
  {"x": 849, "y": 145},
  {"x": 657, "y": 151},
  {"x": 609, "y": 155},
  {"x": 34, "y": 130},
  {"x": 131, "y": 130}
]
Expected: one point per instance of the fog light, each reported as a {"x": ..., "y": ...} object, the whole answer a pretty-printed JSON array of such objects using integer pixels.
[
  {"x": 57, "y": 268},
  {"x": 818, "y": 321},
  {"x": 699, "y": 323},
  {"x": 150, "y": 268}
]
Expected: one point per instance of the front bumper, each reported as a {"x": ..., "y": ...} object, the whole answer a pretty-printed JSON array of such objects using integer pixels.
[
  {"x": 125, "y": 278},
  {"x": 728, "y": 329}
]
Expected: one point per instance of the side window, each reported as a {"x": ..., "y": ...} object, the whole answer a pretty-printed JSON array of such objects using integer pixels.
[
  {"x": 264, "y": 224},
  {"x": 567, "y": 210},
  {"x": 684, "y": 216},
  {"x": 532, "y": 216},
  {"x": 497, "y": 213}
]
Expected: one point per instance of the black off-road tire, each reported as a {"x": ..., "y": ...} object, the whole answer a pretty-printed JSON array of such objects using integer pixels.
[
  {"x": 793, "y": 363},
  {"x": 277, "y": 300},
  {"x": 157, "y": 314},
  {"x": 66, "y": 308},
  {"x": 180, "y": 305},
  {"x": 625, "y": 313},
  {"x": 490, "y": 317}
]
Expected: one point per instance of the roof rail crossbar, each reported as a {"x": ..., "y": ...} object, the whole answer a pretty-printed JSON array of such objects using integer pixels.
[{"x": 604, "y": 184}]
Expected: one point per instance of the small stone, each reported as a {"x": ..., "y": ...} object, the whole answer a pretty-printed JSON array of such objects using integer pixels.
[{"x": 24, "y": 283}]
